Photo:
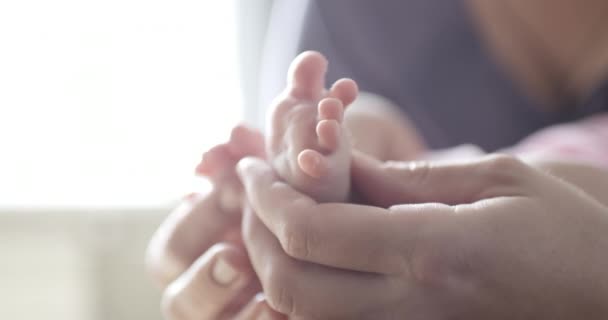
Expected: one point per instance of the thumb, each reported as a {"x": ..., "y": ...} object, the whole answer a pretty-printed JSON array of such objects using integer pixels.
[{"x": 390, "y": 183}]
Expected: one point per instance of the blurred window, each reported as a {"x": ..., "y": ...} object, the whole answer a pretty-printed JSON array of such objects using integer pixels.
[{"x": 110, "y": 103}]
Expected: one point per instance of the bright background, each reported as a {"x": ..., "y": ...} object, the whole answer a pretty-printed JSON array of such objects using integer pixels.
[
  {"x": 112, "y": 102},
  {"x": 105, "y": 109}
]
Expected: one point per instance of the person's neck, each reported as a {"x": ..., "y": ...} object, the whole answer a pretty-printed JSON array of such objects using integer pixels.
[{"x": 558, "y": 50}]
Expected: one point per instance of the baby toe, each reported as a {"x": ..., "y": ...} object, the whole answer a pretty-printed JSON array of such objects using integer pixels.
[
  {"x": 312, "y": 163},
  {"x": 331, "y": 109},
  {"x": 328, "y": 132},
  {"x": 346, "y": 90},
  {"x": 306, "y": 75}
]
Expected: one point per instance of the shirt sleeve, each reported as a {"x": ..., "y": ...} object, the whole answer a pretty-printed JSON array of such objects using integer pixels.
[{"x": 582, "y": 141}]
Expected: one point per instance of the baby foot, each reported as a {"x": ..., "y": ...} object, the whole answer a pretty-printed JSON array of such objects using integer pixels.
[
  {"x": 219, "y": 163},
  {"x": 307, "y": 143}
]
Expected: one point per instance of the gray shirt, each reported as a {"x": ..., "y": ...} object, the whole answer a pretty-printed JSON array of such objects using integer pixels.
[{"x": 427, "y": 57}]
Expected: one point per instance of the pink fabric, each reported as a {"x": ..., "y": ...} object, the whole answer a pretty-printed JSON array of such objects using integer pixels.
[{"x": 584, "y": 141}]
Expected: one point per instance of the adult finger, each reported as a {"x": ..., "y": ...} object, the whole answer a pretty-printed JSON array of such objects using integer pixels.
[
  {"x": 354, "y": 237},
  {"x": 211, "y": 285},
  {"x": 391, "y": 183},
  {"x": 298, "y": 288},
  {"x": 185, "y": 234},
  {"x": 246, "y": 141}
]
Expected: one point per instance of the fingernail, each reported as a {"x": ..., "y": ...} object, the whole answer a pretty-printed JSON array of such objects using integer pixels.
[{"x": 223, "y": 273}]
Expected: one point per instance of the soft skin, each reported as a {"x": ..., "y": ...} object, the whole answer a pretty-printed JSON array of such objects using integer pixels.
[
  {"x": 206, "y": 227},
  {"x": 309, "y": 133},
  {"x": 204, "y": 233},
  {"x": 492, "y": 238},
  {"x": 306, "y": 142}
]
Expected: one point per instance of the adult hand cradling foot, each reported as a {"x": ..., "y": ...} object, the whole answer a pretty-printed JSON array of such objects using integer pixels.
[
  {"x": 492, "y": 237},
  {"x": 477, "y": 241},
  {"x": 375, "y": 199}
]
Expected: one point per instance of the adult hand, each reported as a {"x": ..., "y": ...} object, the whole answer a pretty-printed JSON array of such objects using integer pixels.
[
  {"x": 487, "y": 239},
  {"x": 197, "y": 255}
]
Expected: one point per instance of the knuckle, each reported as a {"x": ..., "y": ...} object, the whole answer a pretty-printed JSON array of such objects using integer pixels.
[
  {"x": 421, "y": 171},
  {"x": 451, "y": 255},
  {"x": 436, "y": 258},
  {"x": 170, "y": 232},
  {"x": 170, "y": 307},
  {"x": 296, "y": 240},
  {"x": 505, "y": 161},
  {"x": 414, "y": 172},
  {"x": 158, "y": 271},
  {"x": 504, "y": 168},
  {"x": 161, "y": 262},
  {"x": 278, "y": 289},
  {"x": 428, "y": 267},
  {"x": 185, "y": 299},
  {"x": 282, "y": 300}
]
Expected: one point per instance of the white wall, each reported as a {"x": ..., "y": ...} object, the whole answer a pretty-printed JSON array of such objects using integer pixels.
[{"x": 76, "y": 264}]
